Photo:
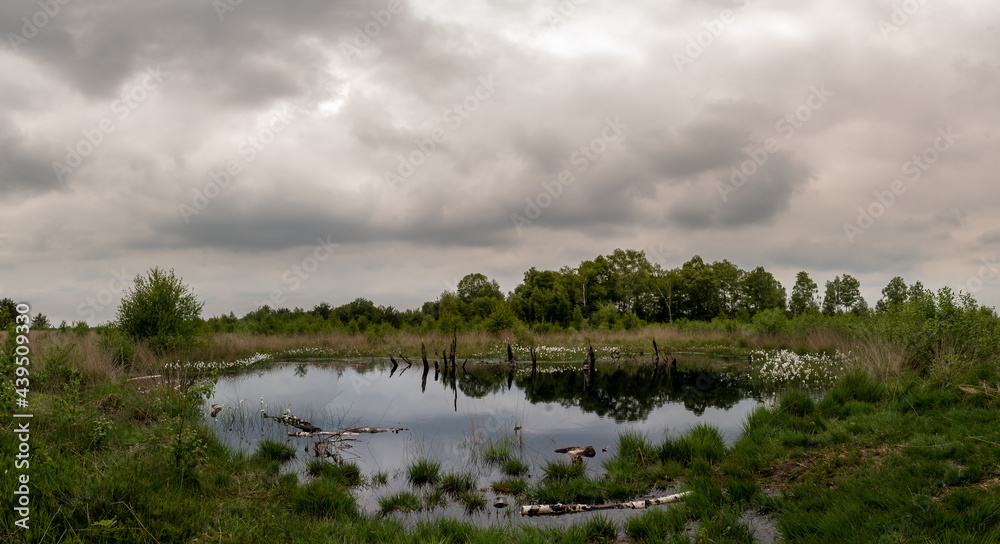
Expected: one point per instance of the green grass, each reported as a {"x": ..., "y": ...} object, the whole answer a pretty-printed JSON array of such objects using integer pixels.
[
  {"x": 270, "y": 450},
  {"x": 510, "y": 486},
  {"x": 435, "y": 498},
  {"x": 599, "y": 529},
  {"x": 424, "y": 471},
  {"x": 561, "y": 470},
  {"x": 579, "y": 490},
  {"x": 378, "y": 479},
  {"x": 456, "y": 483},
  {"x": 635, "y": 448},
  {"x": 473, "y": 501},
  {"x": 700, "y": 442},
  {"x": 404, "y": 501},
  {"x": 911, "y": 458},
  {"x": 347, "y": 474},
  {"x": 657, "y": 525},
  {"x": 497, "y": 451},
  {"x": 324, "y": 498},
  {"x": 515, "y": 467}
]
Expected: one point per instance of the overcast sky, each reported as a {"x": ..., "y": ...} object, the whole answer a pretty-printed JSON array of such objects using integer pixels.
[{"x": 423, "y": 140}]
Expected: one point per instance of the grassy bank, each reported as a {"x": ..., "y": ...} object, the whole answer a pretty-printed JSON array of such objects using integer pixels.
[
  {"x": 95, "y": 350},
  {"x": 891, "y": 453}
]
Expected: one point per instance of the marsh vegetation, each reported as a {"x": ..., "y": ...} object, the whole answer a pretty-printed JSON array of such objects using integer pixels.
[{"x": 882, "y": 428}]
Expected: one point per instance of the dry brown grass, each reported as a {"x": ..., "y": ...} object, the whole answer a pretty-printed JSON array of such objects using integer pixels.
[
  {"x": 827, "y": 340},
  {"x": 94, "y": 364},
  {"x": 878, "y": 357}
]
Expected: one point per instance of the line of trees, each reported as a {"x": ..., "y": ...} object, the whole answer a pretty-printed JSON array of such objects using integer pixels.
[{"x": 620, "y": 290}]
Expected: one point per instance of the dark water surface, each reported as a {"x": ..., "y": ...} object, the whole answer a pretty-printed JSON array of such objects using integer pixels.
[{"x": 447, "y": 417}]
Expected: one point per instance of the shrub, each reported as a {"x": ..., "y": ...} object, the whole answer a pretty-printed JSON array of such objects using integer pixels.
[
  {"x": 118, "y": 345},
  {"x": 771, "y": 321},
  {"x": 503, "y": 318},
  {"x": 631, "y": 321},
  {"x": 161, "y": 310}
]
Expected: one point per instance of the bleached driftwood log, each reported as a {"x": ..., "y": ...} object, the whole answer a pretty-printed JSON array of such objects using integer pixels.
[
  {"x": 353, "y": 431},
  {"x": 560, "y": 509},
  {"x": 293, "y": 421}
]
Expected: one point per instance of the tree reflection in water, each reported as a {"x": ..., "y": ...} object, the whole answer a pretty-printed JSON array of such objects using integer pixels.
[{"x": 624, "y": 394}]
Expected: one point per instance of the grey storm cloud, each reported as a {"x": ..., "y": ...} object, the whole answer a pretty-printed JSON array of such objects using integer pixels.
[
  {"x": 23, "y": 167},
  {"x": 760, "y": 198},
  {"x": 371, "y": 82}
]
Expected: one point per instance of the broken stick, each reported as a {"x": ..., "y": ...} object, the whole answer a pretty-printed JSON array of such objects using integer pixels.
[{"x": 560, "y": 509}]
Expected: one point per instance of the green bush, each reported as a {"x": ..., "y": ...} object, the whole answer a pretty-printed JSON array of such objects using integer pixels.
[
  {"x": 161, "y": 310},
  {"x": 772, "y": 321},
  {"x": 631, "y": 321},
  {"x": 118, "y": 345},
  {"x": 56, "y": 370},
  {"x": 607, "y": 318},
  {"x": 502, "y": 318}
]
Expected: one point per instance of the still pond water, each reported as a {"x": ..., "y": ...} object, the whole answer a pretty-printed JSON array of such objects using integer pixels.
[{"x": 448, "y": 416}]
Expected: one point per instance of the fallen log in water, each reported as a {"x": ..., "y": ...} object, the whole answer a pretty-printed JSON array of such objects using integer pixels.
[
  {"x": 292, "y": 421},
  {"x": 560, "y": 509},
  {"x": 303, "y": 434},
  {"x": 353, "y": 431},
  {"x": 586, "y": 451},
  {"x": 577, "y": 453}
]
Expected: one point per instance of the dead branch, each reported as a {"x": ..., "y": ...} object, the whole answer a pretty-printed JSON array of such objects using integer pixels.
[
  {"x": 292, "y": 421},
  {"x": 560, "y": 509},
  {"x": 353, "y": 431}
]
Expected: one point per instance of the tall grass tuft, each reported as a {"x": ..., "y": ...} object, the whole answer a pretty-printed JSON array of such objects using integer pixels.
[
  {"x": 405, "y": 501},
  {"x": 515, "y": 467},
  {"x": 424, "y": 471},
  {"x": 347, "y": 474},
  {"x": 324, "y": 498},
  {"x": 635, "y": 448},
  {"x": 700, "y": 442},
  {"x": 879, "y": 356},
  {"x": 456, "y": 483},
  {"x": 558, "y": 470},
  {"x": 497, "y": 451},
  {"x": 655, "y": 524},
  {"x": 269, "y": 450},
  {"x": 473, "y": 501}
]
